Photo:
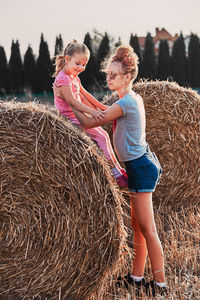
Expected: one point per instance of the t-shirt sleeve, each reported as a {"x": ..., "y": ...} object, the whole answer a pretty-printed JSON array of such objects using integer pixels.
[
  {"x": 123, "y": 104},
  {"x": 63, "y": 80}
]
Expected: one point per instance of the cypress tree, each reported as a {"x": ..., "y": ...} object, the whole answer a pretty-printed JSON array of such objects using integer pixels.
[
  {"x": 4, "y": 78},
  {"x": 102, "y": 53},
  {"x": 149, "y": 59},
  {"x": 96, "y": 40},
  {"x": 163, "y": 66},
  {"x": 58, "y": 45},
  {"x": 29, "y": 70},
  {"x": 179, "y": 61},
  {"x": 134, "y": 43},
  {"x": 88, "y": 76},
  {"x": 194, "y": 61},
  {"x": 15, "y": 69},
  {"x": 44, "y": 68},
  {"x": 118, "y": 43}
]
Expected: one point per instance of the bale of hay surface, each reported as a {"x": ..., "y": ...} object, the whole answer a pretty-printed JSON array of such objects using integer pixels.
[
  {"x": 61, "y": 229},
  {"x": 173, "y": 133}
]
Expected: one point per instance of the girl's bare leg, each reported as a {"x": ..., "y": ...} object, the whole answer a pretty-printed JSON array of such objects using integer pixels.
[
  {"x": 144, "y": 224},
  {"x": 140, "y": 248}
]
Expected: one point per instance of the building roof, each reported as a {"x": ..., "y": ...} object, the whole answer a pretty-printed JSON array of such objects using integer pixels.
[{"x": 160, "y": 34}]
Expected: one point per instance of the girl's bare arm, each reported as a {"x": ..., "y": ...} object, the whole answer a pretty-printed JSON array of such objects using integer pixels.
[
  {"x": 112, "y": 113},
  {"x": 87, "y": 102},
  {"x": 67, "y": 95},
  {"x": 92, "y": 99}
]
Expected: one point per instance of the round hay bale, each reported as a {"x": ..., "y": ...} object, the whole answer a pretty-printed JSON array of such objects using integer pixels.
[
  {"x": 173, "y": 132},
  {"x": 61, "y": 226}
]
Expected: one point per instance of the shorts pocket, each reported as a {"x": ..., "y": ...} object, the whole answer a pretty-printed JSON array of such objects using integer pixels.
[{"x": 151, "y": 171}]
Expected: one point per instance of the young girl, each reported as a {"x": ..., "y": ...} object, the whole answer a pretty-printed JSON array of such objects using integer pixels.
[
  {"x": 68, "y": 67},
  {"x": 142, "y": 167}
]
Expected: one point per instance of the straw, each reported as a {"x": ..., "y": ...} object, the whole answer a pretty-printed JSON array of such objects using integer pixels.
[{"x": 62, "y": 231}]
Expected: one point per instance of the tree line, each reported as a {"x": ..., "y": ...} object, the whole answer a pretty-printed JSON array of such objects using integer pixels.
[{"x": 34, "y": 74}]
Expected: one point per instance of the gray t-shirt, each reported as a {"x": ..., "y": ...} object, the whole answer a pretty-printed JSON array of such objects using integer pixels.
[{"x": 129, "y": 137}]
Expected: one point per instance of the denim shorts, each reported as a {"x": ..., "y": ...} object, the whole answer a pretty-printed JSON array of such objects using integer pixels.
[{"x": 144, "y": 173}]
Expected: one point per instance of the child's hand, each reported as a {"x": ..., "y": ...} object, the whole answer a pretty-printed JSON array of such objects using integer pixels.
[
  {"x": 98, "y": 115},
  {"x": 57, "y": 91}
]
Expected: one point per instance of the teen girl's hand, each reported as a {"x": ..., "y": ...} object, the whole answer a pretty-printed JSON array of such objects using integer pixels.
[{"x": 98, "y": 115}]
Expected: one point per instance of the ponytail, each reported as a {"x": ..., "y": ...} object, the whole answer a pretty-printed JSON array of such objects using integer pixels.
[{"x": 59, "y": 63}]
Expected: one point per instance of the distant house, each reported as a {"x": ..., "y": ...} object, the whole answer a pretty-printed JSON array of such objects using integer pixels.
[{"x": 160, "y": 34}]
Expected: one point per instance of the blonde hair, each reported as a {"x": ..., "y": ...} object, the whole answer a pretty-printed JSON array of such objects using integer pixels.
[
  {"x": 128, "y": 59},
  {"x": 71, "y": 48}
]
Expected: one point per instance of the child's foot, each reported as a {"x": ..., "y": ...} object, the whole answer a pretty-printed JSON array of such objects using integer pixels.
[
  {"x": 138, "y": 285},
  {"x": 127, "y": 279},
  {"x": 122, "y": 181},
  {"x": 153, "y": 289}
]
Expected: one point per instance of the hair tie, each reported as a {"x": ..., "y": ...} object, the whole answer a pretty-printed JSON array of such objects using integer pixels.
[{"x": 72, "y": 43}]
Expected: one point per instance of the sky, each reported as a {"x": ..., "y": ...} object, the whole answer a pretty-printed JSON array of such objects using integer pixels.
[{"x": 25, "y": 20}]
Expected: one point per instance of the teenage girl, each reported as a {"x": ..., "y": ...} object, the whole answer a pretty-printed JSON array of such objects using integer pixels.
[
  {"x": 68, "y": 67},
  {"x": 142, "y": 166}
]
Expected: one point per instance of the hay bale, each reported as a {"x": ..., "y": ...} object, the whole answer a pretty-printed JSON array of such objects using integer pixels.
[
  {"x": 173, "y": 126},
  {"x": 61, "y": 226}
]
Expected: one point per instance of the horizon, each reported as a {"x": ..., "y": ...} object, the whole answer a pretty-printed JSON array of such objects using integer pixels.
[{"x": 91, "y": 34}]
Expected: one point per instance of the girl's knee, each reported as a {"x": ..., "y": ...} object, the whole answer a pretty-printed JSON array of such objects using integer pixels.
[
  {"x": 149, "y": 232},
  {"x": 146, "y": 229}
]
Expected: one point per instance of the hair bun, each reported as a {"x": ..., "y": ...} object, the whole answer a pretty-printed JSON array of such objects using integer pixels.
[
  {"x": 122, "y": 52},
  {"x": 128, "y": 58},
  {"x": 126, "y": 55}
]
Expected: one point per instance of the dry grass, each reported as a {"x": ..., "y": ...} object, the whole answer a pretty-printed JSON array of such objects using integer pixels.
[
  {"x": 36, "y": 261},
  {"x": 180, "y": 237},
  {"x": 181, "y": 240},
  {"x": 61, "y": 227}
]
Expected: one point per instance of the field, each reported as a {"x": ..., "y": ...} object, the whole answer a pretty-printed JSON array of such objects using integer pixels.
[
  {"x": 176, "y": 200},
  {"x": 180, "y": 237}
]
